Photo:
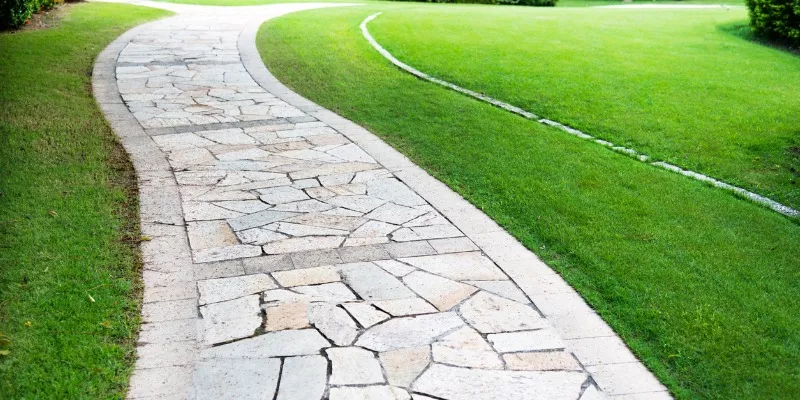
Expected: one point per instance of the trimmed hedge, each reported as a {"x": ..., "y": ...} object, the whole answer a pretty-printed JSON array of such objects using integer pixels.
[
  {"x": 537, "y": 3},
  {"x": 14, "y": 13},
  {"x": 777, "y": 20}
]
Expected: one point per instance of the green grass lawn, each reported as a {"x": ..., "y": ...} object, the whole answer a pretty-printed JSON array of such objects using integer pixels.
[
  {"x": 68, "y": 215},
  {"x": 675, "y": 84},
  {"x": 701, "y": 284}
]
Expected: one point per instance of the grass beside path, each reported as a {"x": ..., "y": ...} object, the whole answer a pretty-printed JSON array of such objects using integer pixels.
[
  {"x": 702, "y": 285},
  {"x": 674, "y": 84},
  {"x": 69, "y": 278}
]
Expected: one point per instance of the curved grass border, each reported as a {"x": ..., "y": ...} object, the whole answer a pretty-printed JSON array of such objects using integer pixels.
[{"x": 754, "y": 197}]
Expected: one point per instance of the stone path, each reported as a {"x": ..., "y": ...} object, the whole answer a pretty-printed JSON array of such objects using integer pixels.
[{"x": 294, "y": 255}]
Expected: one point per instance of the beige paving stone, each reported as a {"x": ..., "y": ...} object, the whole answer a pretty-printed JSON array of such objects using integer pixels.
[
  {"x": 441, "y": 292},
  {"x": 542, "y": 361},
  {"x": 287, "y": 315},
  {"x": 307, "y": 276},
  {"x": 402, "y": 366}
]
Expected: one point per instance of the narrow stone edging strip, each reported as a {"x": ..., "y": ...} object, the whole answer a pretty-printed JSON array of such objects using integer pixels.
[{"x": 757, "y": 198}]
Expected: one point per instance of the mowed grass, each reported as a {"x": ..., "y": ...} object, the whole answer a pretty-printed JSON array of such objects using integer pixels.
[
  {"x": 702, "y": 285},
  {"x": 69, "y": 278},
  {"x": 674, "y": 84}
]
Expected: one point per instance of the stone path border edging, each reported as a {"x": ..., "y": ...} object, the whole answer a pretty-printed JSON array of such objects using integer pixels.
[{"x": 757, "y": 198}]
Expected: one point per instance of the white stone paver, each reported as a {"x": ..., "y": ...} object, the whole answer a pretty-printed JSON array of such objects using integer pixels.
[{"x": 295, "y": 256}]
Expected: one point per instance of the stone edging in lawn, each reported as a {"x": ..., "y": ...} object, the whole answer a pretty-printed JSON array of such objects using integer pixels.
[
  {"x": 605, "y": 356},
  {"x": 757, "y": 198}
]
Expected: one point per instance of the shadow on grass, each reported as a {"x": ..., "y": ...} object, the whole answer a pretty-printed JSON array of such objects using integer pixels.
[{"x": 742, "y": 30}]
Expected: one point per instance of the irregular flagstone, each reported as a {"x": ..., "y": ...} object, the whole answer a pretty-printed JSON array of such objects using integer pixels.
[
  {"x": 466, "y": 358},
  {"x": 406, "y": 332},
  {"x": 402, "y": 366},
  {"x": 490, "y": 313},
  {"x": 258, "y": 219},
  {"x": 334, "y": 292},
  {"x": 373, "y": 283},
  {"x": 468, "y": 384},
  {"x": 353, "y": 366},
  {"x": 200, "y": 211},
  {"x": 465, "y": 338},
  {"x": 303, "y": 378},
  {"x": 542, "y": 361},
  {"x": 226, "y": 253},
  {"x": 394, "y": 191},
  {"x": 441, "y": 292},
  {"x": 259, "y": 236},
  {"x": 381, "y": 392},
  {"x": 307, "y": 276},
  {"x": 339, "y": 222},
  {"x": 507, "y": 289},
  {"x": 394, "y": 214},
  {"x": 230, "y": 320},
  {"x": 306, "y": 230},
  {"x": 210, "y": 234},
  {"x": 282, "y": 194},
  {"x": 334, "y": 323},
  {"x": 359, "y": 203},
  {"x": 271, "y": 344},
  {"x": 293, "y": 245},
  {"x": 395, "y": 268},
  {"x": 538, "y": 340},
  {"x": 287, "y": 315},
  {"x": 404, "y": 307},
  {"x": 243, "y": 206},
  {"x": 236, "y": 379},
  {"x": 373, "y": 229},
  {"x": 458, "y": 266},
  {"x": 365, "y": 314},
  {"x": 216, "y": 290}
]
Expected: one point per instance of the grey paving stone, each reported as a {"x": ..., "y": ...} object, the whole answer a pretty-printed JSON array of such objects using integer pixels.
[
  {"x": 334, "y": 323},
  {"x": 490, "y": 313},
  {"x": 266, "y": 264},
  {"x": 221, "y": 289},
  {"x": 462, "y": 383},
  {"x": 353, "y": 366},
  {"x": 228, "y": 320},
  {"x": 271, "y": 344},
  {"x": 538, "y": 340},
  {"x": 237, "y": 379},
  {"x": 458, "y": 266},
  {"x": 303, "y": 378},
  {"x": 407, "y": 332},
  {"x": 373, "y": 283}
]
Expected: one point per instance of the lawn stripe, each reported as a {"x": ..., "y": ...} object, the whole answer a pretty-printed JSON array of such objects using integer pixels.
[{"x": 757, "y": 198}]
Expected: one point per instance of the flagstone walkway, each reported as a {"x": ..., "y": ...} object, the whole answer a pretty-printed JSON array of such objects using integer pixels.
[{"x": 294, "y": 255}]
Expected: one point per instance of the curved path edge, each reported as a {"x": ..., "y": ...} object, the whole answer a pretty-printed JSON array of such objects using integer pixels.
[
  {"x": 170, "y": 338},
  {"x": 744, "y": 193}
]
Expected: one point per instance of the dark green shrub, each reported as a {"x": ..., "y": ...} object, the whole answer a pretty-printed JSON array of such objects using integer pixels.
[
  {"x": 14, "y": 13},
  {"x": 777, "y": 20}
]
